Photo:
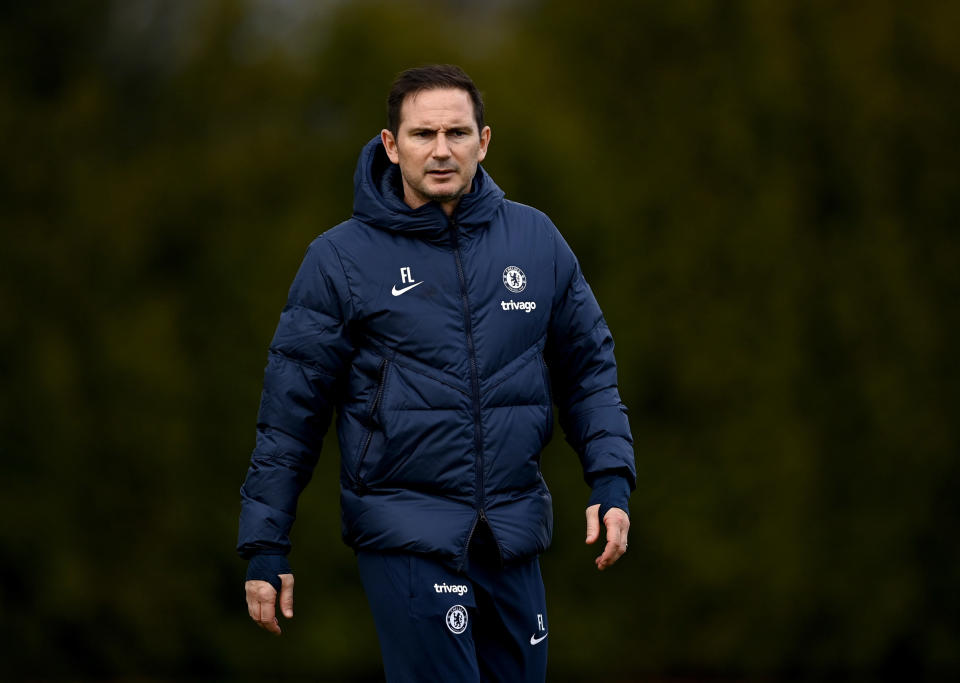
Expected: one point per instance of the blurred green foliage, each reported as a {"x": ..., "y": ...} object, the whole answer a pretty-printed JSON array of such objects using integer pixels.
[{"x": 764, "y": 196}]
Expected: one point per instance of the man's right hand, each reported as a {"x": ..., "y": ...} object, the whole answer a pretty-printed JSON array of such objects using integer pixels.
[{"x": 262, "y": 602}]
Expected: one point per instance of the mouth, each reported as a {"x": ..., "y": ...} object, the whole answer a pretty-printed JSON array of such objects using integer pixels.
[{"x": 441, "y": 173}]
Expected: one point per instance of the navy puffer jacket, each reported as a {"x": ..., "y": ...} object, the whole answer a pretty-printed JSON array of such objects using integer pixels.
[{"x": 441, "y": 344}]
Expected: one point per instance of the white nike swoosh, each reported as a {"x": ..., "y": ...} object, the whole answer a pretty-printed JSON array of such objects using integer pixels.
[
  {"x": 534, "y": 640},
  {"x": 398, "y": 292}
]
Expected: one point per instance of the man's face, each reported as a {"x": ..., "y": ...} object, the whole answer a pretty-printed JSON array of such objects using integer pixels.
[{"x": 437, "y": 147}]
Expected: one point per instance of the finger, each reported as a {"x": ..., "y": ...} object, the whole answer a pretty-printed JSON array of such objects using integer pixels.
[
  {"x": 617, "y": 524},
  {"x": 611, "y": 553},
  {"x": 286, "y": 595},
  {"x": 593, "y": 523},
  {"x": 258, "y": 592},
  {"x": 261, "y": 605},
  {"x": 268, "y": 619},
  {"x": 610, "y": 550},
  {"x": 258, "y": 614},
  {"x": 271, "y": 626},
  {"x": 266, "y": 613}
]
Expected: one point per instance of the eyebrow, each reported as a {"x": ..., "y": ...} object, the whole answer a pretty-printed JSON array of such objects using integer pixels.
[{"x": 428, "y": 129}]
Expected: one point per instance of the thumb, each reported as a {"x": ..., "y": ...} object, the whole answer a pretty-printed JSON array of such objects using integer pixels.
[
  {"x": 286, "y": 595},
  {"x": 593, "y": 523}
]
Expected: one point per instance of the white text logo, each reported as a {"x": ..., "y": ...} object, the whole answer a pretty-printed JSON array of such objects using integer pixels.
[
  {"x": 534, "y": 639},
  {"x": 405, "y": 277},
  {"x": 518, "y": 305},
  {"x": 444, "y": 588}
]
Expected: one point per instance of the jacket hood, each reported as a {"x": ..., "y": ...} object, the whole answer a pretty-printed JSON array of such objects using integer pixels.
[{"x": 378, "y": 198}]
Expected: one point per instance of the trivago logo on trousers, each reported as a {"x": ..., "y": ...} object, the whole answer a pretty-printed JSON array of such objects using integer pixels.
[{"x": 459, "y": 589}]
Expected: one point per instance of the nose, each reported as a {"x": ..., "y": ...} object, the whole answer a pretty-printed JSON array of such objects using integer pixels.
[{"x": 441, "y": 150}]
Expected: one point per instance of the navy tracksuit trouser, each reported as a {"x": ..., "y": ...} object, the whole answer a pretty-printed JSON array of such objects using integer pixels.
[{"x": 486, "y": 623}]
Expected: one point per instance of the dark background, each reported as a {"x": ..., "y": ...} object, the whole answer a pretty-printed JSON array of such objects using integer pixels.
[{"x": 764, "y": 196}]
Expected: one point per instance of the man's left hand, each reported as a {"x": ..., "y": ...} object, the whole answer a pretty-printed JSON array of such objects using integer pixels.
[{"x": 617, "y": 525}]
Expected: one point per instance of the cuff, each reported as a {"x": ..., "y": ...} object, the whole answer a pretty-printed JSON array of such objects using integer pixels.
[
  {"x": 268, "y": 568},
  {"x": 611, "y": 491}
]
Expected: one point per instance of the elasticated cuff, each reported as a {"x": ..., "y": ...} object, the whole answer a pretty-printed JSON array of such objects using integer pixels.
[
  {"x": 611, "y": 491},
  {"x": 268, "y": 568}
]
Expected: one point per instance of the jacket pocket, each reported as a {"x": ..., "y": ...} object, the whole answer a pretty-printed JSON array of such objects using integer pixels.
[
  {"x": 548, "y": 388},
  {"x": 374, "y": 423}
]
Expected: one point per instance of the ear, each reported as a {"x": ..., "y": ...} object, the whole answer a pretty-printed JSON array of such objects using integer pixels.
[
  {"x": 390, "y": 144},
  {"x": 484, "y": 141}
]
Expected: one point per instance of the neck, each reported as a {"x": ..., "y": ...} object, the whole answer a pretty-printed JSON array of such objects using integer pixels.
[
  {"x": 450, "y": 207},
  {"x": 415, "y": 201}
]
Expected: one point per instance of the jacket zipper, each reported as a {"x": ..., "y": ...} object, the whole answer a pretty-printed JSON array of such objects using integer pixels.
[
  {"x": 475, "y": 385},
  {"x": 381, "y": 384}
]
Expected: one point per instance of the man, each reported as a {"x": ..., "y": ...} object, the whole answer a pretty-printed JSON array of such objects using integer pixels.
[{"x": 435, "y": 322}]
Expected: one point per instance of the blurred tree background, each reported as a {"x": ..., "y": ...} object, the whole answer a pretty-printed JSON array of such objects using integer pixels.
[{"x": 764, "y": 196}]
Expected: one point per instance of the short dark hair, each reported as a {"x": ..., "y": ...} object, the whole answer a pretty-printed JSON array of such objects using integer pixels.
[{"x": 430, "y": 77}]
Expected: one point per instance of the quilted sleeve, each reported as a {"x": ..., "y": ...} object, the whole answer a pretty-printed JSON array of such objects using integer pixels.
[
  {"x": 584, "y": 374},
  {"x": 305, "y": 364}
]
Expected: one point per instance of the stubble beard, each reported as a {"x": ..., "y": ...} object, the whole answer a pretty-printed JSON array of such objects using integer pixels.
[
  {"x": 447, "y": 197},
  {"x": 441, "y": 197}
]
